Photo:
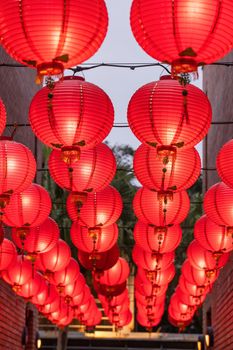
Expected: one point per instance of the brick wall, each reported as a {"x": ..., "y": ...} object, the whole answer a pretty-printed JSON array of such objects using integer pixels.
[
  {"x": 16, "y": 90},
  {"x": 218, "y": 84}
]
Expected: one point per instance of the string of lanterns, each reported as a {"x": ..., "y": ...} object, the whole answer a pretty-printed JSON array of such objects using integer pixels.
[{"x": 73, "y": 117}]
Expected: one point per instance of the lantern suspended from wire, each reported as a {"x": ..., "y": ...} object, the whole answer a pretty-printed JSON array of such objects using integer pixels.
[
  {"x": 117, "y": 274},
  {"x": 8, "y": 254},
  {"x": 152, "y": 261},
  {"x": 197, "y": 276},
  {"x": 66, "y": 276},
  {"x": 69, "y": 33},
  {"x": 186, "y": 34},
  {"x": 33, "y": 287},
  {"x": 160, "y": 277},
  {"x": 18, "y": 274}
]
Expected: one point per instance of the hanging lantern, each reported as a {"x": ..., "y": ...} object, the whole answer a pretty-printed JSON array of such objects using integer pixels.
[
  {"x": 197, "y": 276},
  {"x": 98, "y": 262},
  {"x": 94, "y": 319},
  {"x": 75, "y": 288},
  {"x": 100, "y": 209},
  {"x": 212, "y": 237},
  {"x": 115, "y": 275},
  {"x": 186, "y": 35},
  {"x": 168, "y": 116},
  {"x": 65, "y": 321},
  {"x": 148, "y": 322},
  {"x": 17, "y": 168},
  {"x": 93, "y": 240},
  {"x": 2, "y": 116},
  {"x": 55, "y": 259},
  {"x": 150, "y": 311},
  {"x": 188, "y": 299},
  {"x": 71, "y": 115},
  {"x": 192, "y": 289},
  {"x": 201, "y": 258},
  {"x": 144, "y": 287},
  {"x": 66, "y": 276},
  {"x": 81, "y": 298},
  {"x": 94, "y": 170},
  {"x": 27, "y": 209},
  {"x": 160, "y": 277},
  {"x": 152, "y": 261},
  {"x": 178, "y": 316},
  {"x": 33, "y": 287},
  {"x": 38, "y": 239},
  {"x": 121, "y": 320},
  {"x": 107, "y": 290},
  {"x": 157, "y": 239},
  {"x": 18, "y": 274},
  {"x": 52, "y": 306},
  {"x": 161, "y": 210},
  {"x": 52, "y": 36},
  {"x": 8, "y": 254},
  {"x": 60, "y": 313},
  {"x": 225, "y": 164},
  {"x": 180, "y": 307},
  {"x": 113, "y": 301},
  {"x": 164, "y": 173},
  {"x": 46, "y": 296}
]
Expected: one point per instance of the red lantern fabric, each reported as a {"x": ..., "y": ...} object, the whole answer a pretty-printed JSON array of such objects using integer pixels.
[
  {"x": 94, "y": 319},
  {"x": 2, "y": 116},
  {"x": 192, "y": 289},
  {"x": 167, "y": 115},
  {"x": 157, "y": 239},
  {"x": 38, "y": 239},
  {"x": 122, "y": 319},
  {"x": 211, "y": 236},
  {"x": 60, "y": 313},
  {"x": 144, "y": 287},
  {"x": 151, "y": 311},
  {"x": 166, "y": 174},
  {"x": 149, "y": 300},
  {"x": 201, "y": 258},
  {"x": 55, "y": 259},
  {"x": 218, "y": 203},
  {"x": 82, "y": 115},
  {"x": 197, "y": 276},
  {"x": 148, "y": 322},
  {"x": 8, "y": 254},
  {"x": 100, "y": 209},
  {"x": 178, "y": 306},
  {"x": 81, "y": 298},
  {"x": 188, "y": 299},
  {"x": 115, "y": 275},
  {"x": 178, "y": 316},
  {"x": 107, "y": 290},
  {"x": 28, "y": 208},
  {"x": 65, "y": 321},
  {"x": 113, "y": 301},
  {"x": 160, "y": 277},
  {"x": 68, "y": 34},
  {"x": 66, "y": 276},
  {"x": 183, "y": 34},
  {"x": 74, "y": 288},
  {"x": 150, "y": 209},
  {"x": 46, "y": 296},
  {"x": 17, "y": 167},
  {"x": 18, "y": 274},
  {"x": 225, "y": 164},
  {"x": 93, "y": 240},
  {"x": 152, "y": 261},
  {"x": 91, "y": 173},
  {"x": 99, "y": 261},
  {"x": 34, "y": 286},
  {"x": 52, "y": 306}
]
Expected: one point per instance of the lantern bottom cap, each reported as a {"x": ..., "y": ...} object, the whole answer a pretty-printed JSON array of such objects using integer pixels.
[
  {"x": 184, "y": 65},
  {"x": 50, "y": 68}
]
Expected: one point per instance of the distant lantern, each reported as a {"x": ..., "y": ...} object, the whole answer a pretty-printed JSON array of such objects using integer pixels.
[
  {"x": 115, "y": 275},
  {"x": 168, "y": 116},
  {"x": 152, "y": 261},
  {"x": 161, "y": 277},
  {"x": 163, "y": 174},
  {"x": 69, "y": 33},
  {"x": 161, "y": 209},
  {"x": 66, "y": 276},
  {"x": 70, "y": 116},
  {"x": 17, "y": 169},
  {"x": 186, "y": 34},
  {"x": 18, "y": 274},
  {"x": 94, "y": 170},
  {"x": 225, "y": 163},
  {"x": 8, "y": 254},
  {"x": 197, "y": 276}
]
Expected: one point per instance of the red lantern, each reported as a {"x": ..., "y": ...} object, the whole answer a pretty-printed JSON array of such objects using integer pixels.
[
  {"x": 33, "y": 287},
  {"x": 211, "y": 236},
  {"x": 152, "y": 261},
  {"x": 38, "y": 239},
  {"x": 80, "y": 116},
  {"x": 93, "y": 240},
  {"x": 94, "y": 319},
  {"x": 149, "y": 300},
  {"x": 85, "y": 175},
  {"x": 60, "y": 313},
  {"x": 99, "y": 261},
  {"x": 160, "y": 277},
  {"x": 188, "y": 299},
  {"x": 66, "y": 276},
  {"x": 192, "y": 289},
  {"x": 180, "y": 307},
  {"x": 81, "y": 298},
  {"x": 122, "y": 319},
  {"x": 150, "y": 208},
  {"x": 157, "y": 239},
  {"x": 150, "y": 311},
  {"x": 18, "y": 274},
  {"x": 107, "y": 290},
  {"x": 166, "y": 115},
  {"x": 166, "y": 174},
  {"x": 148, "y": 322},
  {"x": 184, "y": 34},
  {"x": 100, "y": 209},
  {"x": 74, "y": 288},
  {"x": 115, "y": 275},
  {"x": 8, "y": 254},
  {"x": 143, "y": 286},
  {"x": 55, "y": 259},
  {"x": 65, "y": 321},
  {"x": 68, "y": 34},
  {"x": 2, "y": 116},
  {"x": 218, "y": 203},
  {"x": 52, "y": 306},
  {"x": 178, "y": 316},
  {"x": 17, "y": 169},
  {"x": 197, "y": 276},
  {"x": 113, "y": 301},
  {"x": 46, "y": 296},
  {"x": 28, "y": 208},
  {"x": 225, "y": 163},
  {"x": 201, "y": 258}
]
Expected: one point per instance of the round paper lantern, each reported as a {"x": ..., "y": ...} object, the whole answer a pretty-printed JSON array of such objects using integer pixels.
[
  {"x": 166, "y": 174},
  {"x": 157, "y": 239},
  {"x": 122, "y": 319},
  {"x": 8, "y": 254},
  {"x": 178, "y": 306},
  {"x": 166, "y": 115},
  {"x": 91, "y": 173},
  {"x": 94, "y": 319},
  {"x": 66, "y": 276},
  {"x": 28, "y": 208},
  {"x": 81, "y": 298},
  {"x": 149, "y": 300},
  {"x": 55, "y": 259},
  {"x": 74, "y": 288},
  {"x": 152, "y": 261},
  {"x": 151, "y": 209},
  {"x": 178, "y": 316},
  {"x": 148, "y": 322},
  {"x": 192, "y": 289},
  {"x": 93, "y": 240},
  {"x": 80, "y": 115},
  {"x": 185, "y": 34},
  {"x": 179, "y": 323},
  {"x": 18, "y": 274},
  {"x": 201, "y": 258},
  {"x": 17, "y": 168},
  {"x": 218, "y": 202},
  {"x": 99, "y": 261},
  {"x": 144, "y": 287},
  {"x": 61, "y": 312},
  {"x": 151, "y": 311},
  {"x": 116, "y": 300},
  {"x": 33, "y": 287},
  {"x": 100, "y": 209},
  {"x": 115, "y": 275},
  {"x": 46, "y": 296},
  {"x": 107, "y": 290},
  {"x": 69, "y": 33},
  {"x": 160, "y": 277},
  {"x": 38, "y": 239},
  {"x": 65, "y": 321},
  {"x": 197, "y": 276},
  {"x": 188, "y": 299},
  {"x": 224, "y": 163},
  {"x": 211, "y": 236}
]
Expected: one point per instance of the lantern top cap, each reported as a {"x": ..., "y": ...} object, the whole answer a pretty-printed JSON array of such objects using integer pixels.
[
  {"x": 72, "y": 77},
  {"x": 166, "y": 77}
]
